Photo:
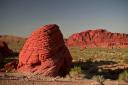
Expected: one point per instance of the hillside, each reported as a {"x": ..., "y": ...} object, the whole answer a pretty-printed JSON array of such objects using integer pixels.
[
  {"x": 14, "y": 43},
  {"x": 99, "y": 38}
]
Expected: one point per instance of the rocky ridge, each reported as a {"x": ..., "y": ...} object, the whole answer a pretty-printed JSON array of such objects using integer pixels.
[{"x": 99, "y": 38}]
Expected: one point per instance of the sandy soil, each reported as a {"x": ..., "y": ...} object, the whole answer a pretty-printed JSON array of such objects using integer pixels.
[{"x": 19, "y": 79}]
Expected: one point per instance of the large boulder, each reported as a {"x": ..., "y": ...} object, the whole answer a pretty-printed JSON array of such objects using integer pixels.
[
  {"x": 45, "y": 53},
  {"x": 99, "y": 38}
]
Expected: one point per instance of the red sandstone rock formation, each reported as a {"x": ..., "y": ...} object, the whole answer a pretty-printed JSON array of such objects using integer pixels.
[
  {"x": 45, "y": 53},
  {"x": 98, "y": 38}
]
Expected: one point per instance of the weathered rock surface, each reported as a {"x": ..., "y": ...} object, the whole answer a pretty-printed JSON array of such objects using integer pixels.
[
  {"x": 45, "y": 53},
  {"x": 98, "y": 38}
]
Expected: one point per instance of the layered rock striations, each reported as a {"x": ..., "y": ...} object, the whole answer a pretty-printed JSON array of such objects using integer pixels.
[
  {"x": 98, "y": 38},
  {"x": 44, "y": 52}
]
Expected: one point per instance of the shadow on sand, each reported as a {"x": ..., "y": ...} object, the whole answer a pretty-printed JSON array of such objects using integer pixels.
[
  {"x": 91, "y": 69},
  {"x": 9, "y": 58}
]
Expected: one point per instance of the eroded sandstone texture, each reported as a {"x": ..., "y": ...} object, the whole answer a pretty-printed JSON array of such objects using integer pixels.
[
  {"x": 45, "y": 53},
  {"x": 98, "y": 38}
]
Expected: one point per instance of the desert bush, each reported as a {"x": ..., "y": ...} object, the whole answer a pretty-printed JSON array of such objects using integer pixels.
[
  {"x": 76, "y": 71},
  {"x": 99, "y": 78},
  {"x": 124, "y": 76},
  {"x": 115, "y": 54}
]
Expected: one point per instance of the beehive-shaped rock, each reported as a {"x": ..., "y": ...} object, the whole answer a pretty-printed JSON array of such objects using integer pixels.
[{"x": 45, "y": 53}]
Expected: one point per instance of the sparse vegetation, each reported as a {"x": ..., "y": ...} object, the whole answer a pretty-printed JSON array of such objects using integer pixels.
[
  {"x": 124, "y": 76},
  {"x": 99, "y": 78},
  {"x": 125, "y": 58},
  {"x": 99, "y": 54},
  {"x": 86, "y": 63},
  {"x": 111, "y": 61},
  {"x": 76, "y": 71}
]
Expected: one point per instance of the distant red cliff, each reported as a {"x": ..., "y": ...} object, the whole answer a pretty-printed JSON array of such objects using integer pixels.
[{"x": 98, "y": 38}]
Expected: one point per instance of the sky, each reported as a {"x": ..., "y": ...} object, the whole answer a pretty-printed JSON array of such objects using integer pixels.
[{"x": 21, "y": 17}]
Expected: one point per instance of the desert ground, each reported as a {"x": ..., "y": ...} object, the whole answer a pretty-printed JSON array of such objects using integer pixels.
[
  {"x": 92, "y": 66},
  {"x": 89, "y": 66}
]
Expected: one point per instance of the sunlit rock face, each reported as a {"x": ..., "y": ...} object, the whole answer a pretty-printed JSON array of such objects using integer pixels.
[
  {"x": 45, "y": 53},
  {"x": 98, "y": 38}
]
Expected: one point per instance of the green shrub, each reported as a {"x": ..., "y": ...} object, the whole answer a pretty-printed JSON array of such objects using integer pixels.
[
  {"x": 99, "y": 78},
  {"x": 76, "y": 71},
  {"x": 124, "y": 76}
]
